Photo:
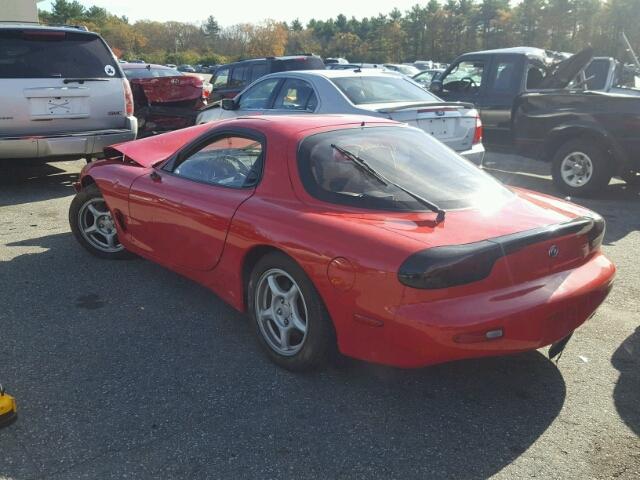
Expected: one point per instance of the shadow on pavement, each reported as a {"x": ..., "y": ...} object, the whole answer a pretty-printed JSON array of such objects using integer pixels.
[
  {"x": 627, "y": 391},
  {"x": 125, "y": 368},
  {"x": 33, "y": 181}
]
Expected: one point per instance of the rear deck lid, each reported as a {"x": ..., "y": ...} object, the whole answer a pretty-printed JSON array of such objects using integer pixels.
[
  {"x": 163, "y": 85},
  {"x": 58, "y": 81}
]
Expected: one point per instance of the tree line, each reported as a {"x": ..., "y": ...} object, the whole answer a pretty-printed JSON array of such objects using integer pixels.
[{"x": 433, "y": 30}]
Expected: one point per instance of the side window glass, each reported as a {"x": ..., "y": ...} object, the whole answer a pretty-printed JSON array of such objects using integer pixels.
[
  {"x": 504, "y": 76},
  {"x": 221, "y": 78},
  {"x": 238, "y": 77},
  {"x": 257, "y": 97},
  {"x": 535, "y": 75},
  {"x": 230, "y": 161},
  {"x": 258, "y": 70},
  {"x": 295, "y": 95},
  {"x": 465, "y": 77}
]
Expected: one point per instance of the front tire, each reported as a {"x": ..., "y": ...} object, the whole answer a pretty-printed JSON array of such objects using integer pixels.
[
  {"x": 291, "y": 322},
  {"x": 93, "y": 225},
  {"x": 581, "y": 167}
]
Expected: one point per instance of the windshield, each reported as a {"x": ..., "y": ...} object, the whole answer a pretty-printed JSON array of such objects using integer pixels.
[
  {"x": 53, "y": 53},
  {"x": 405, "y": 156},
  {"x": 151, "y": 72},
  {"x": 362, "y": 90}
]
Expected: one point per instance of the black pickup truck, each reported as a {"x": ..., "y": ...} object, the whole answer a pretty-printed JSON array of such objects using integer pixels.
[{"x": 574, "y": 111}]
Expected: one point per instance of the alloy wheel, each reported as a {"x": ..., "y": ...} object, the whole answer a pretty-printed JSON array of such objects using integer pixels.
[
  {"x": 281, "y": 312},
  {"x": 97, "y": 226}
]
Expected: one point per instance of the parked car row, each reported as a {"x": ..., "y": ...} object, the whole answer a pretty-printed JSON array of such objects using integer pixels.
[{"x": 519, "y": 95}]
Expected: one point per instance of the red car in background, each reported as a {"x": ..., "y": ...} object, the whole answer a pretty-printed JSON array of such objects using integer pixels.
[
  {"x": 164, "y": 98},
  {"x": 349, "y": 232}
]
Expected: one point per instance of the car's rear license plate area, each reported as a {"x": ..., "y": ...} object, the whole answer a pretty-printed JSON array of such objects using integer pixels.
[
  {"x": 43, "y": 108},
  {"x": 438, "y": 127}
]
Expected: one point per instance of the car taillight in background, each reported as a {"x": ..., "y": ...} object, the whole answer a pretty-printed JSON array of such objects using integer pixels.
[
  {"x": 477, "y": 135},
  {"x": 128, "y": 97},
  {"x": 207, "y": 88}
]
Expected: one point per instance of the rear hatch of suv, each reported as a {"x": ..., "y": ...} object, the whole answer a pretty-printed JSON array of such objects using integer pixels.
[{"x": 58, "y": 81}]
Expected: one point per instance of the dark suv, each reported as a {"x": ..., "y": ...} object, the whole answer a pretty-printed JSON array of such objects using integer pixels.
[{"x": 229, "y": 80}]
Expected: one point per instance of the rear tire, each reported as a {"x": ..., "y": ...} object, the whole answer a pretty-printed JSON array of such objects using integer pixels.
[
  {"x": 291, "y": 321},
  {"x": 93, "y": 226},
  {"x": 581, "y": 167}
]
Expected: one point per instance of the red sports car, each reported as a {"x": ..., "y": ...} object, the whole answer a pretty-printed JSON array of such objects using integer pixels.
[{"x": 349, "y": 233}]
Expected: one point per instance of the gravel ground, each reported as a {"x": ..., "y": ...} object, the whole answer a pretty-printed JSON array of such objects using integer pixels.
[{"x": 126, "y": 370}]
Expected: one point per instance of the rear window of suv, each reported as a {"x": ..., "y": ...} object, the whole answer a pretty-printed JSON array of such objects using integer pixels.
[{"x": 54, "y": 53}]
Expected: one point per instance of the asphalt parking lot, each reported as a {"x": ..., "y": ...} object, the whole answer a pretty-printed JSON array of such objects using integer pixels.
[{"x": 126, "y": 370}]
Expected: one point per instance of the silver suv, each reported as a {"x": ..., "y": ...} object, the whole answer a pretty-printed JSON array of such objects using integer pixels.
[{"x": 62, "y": 94}]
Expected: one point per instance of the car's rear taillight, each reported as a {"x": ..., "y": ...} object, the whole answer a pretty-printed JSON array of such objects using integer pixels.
[
  {"x": 128, "y": 97},
  {"x": 477, "y": 134}
]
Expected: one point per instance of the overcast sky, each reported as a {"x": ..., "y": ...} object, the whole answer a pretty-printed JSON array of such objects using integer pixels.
[{"x": 229, "y": 13}]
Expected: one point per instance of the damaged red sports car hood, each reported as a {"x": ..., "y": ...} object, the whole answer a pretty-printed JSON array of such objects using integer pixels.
[{"x": 150, "y": 151}]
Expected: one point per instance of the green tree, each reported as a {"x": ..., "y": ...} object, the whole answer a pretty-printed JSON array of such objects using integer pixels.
[{"x": 62, "y": 11}]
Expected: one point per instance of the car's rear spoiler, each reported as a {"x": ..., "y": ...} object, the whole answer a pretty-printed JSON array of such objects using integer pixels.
[
  {"x": 453, "y": 265},
  {"x": 434, "y": 105}
]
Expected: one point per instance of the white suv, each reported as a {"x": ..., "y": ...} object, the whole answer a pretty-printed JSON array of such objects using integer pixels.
[{"x": 62, "y": 94}]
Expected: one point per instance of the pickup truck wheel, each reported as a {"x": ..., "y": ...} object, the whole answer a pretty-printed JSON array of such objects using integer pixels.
[{"x": 581, "y": 167}]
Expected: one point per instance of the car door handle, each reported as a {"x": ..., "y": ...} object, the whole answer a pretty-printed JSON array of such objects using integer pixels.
[{"x": 155, "y": 176}]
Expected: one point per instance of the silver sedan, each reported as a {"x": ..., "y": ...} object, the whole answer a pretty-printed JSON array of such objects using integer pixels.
[{"x": 358, "y": 91}]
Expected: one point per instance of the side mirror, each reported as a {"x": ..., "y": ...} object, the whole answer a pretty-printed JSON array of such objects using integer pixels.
[
  {"x": 229, "y": 104},
  {"x": 436, "y": 86}
]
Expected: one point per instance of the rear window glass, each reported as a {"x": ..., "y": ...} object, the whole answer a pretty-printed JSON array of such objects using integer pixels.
[
  {"x": 239, "y": 76},
  {"x": 364, "y": 90},
  {"x": 403, "y": 156},
  {"x": 151, "y": 72},
  {"x": 597, "y": 73},
  {"x": 52, "y": 54}
]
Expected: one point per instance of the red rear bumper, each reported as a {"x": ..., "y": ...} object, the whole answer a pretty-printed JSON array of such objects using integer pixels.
[{"x": 529, "y": 315}]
